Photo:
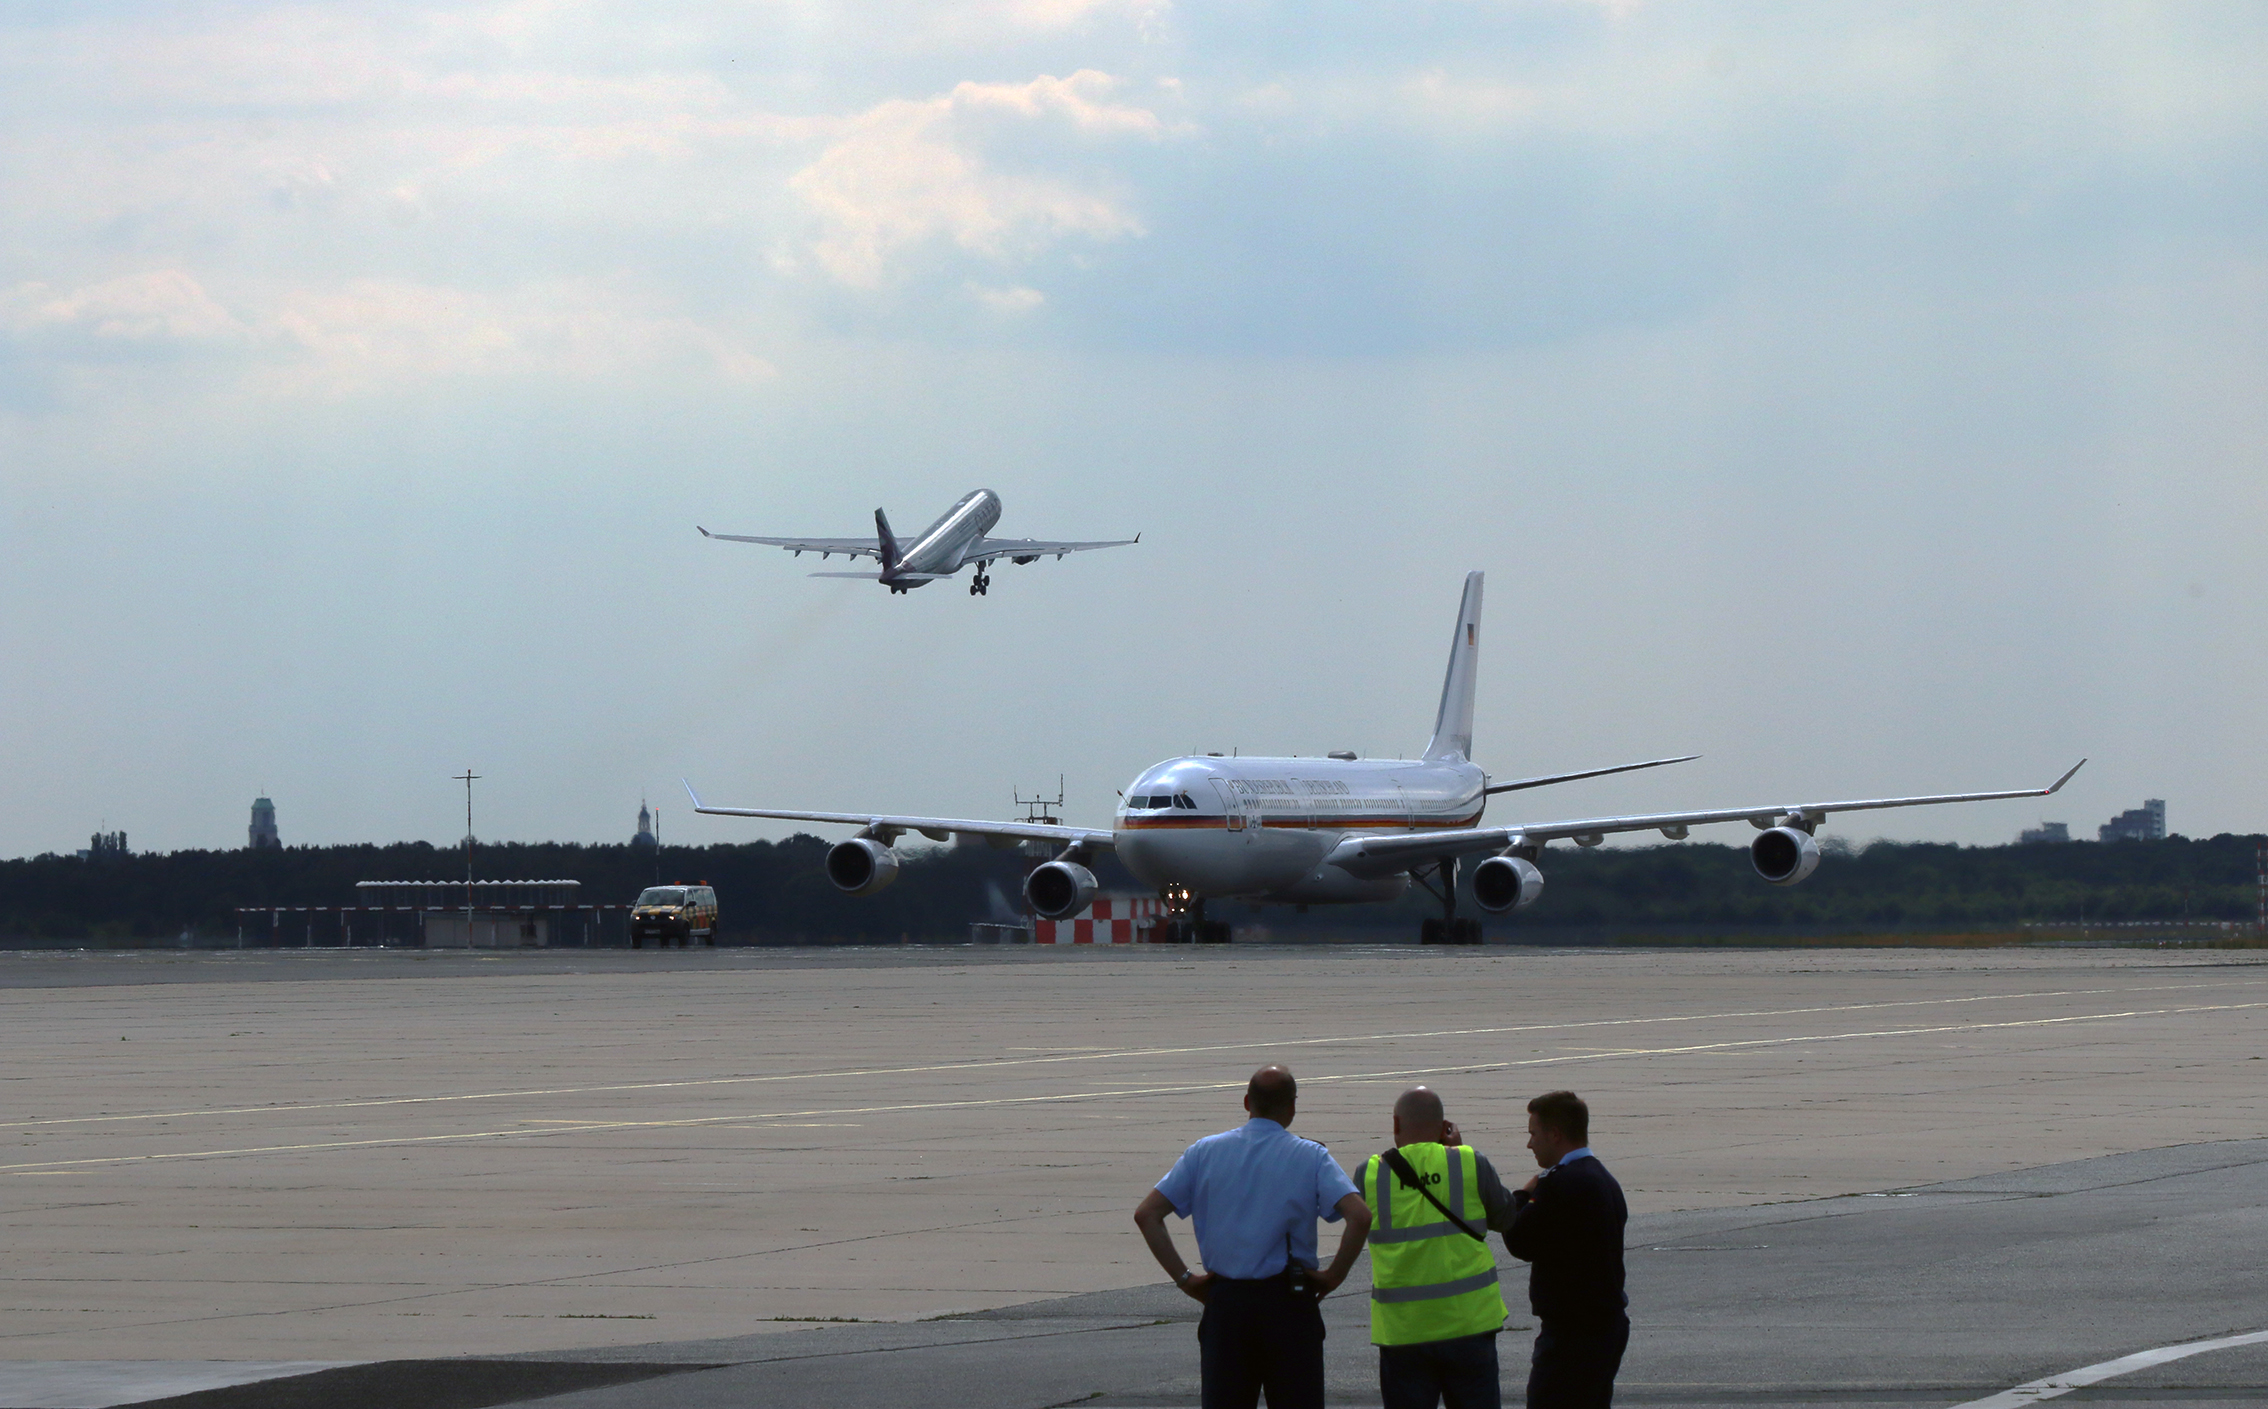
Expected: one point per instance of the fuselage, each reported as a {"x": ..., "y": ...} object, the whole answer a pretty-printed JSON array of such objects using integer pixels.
[
  {"x": 943, "y": 546},
  {"x": 1260, "y": 828}
]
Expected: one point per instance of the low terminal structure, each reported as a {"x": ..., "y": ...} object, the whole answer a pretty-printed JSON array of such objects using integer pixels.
[{"x": 443, "y": 915}]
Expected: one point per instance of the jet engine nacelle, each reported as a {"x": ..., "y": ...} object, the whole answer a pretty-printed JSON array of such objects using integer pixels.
[
  {"x": 1059, "y": 888},
  {"x": 1504, "y": 883},
  {"x": 861, "y": 867},
  {"x": 1784, "y": 855}
]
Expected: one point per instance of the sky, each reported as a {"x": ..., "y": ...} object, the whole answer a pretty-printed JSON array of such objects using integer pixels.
[{"x": 1869, "y": 399}]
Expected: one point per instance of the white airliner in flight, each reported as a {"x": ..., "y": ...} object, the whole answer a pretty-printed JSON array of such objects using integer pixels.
[
  {"x": 1333, "y": 830},
  {"x": 957, "y": 540}
]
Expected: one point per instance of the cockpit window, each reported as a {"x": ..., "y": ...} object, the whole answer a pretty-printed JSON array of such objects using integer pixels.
[{"x": 1161, "y": 802}]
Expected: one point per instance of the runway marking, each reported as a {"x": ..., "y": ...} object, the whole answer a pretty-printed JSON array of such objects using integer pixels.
[
  {"x": 2085, "y": 1375},
  {"x": 1095, "y": 1054},
  {"x": 522, "y": 1132}
]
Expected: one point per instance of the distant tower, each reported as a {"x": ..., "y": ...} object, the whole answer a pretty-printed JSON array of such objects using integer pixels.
[
  {"x": 645, "y": 838},
  {"x": 264, "y": 826}
]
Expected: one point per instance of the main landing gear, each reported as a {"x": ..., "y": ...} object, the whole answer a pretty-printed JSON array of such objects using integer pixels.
[
  {"x": 979, "y": 583},
  {"x": 1448, "y": 929}
]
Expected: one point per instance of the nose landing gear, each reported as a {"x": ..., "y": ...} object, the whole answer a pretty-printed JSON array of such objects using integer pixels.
[{"x": 1186, "y": 922}]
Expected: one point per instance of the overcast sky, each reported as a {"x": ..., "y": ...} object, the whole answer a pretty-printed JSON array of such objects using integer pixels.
[{"x": 1868, "y": 398}]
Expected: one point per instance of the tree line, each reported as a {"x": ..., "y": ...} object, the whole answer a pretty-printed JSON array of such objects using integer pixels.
[{"x": 777, "y": 892}]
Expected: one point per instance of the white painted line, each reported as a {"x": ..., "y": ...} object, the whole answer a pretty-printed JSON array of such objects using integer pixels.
[
  {"x": 2087, "y": 1375},
  {"x": 1062, "y": 1055},
  {"x": 529, "y": 1131},
  {"x": 99, "y": 1384}
]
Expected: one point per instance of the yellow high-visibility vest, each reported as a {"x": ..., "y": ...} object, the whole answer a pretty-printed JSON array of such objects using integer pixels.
[{"x": 1430, "y": 1281}]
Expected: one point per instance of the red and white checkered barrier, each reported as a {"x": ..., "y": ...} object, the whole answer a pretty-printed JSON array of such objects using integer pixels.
[{"x": 1112, "y": 919}]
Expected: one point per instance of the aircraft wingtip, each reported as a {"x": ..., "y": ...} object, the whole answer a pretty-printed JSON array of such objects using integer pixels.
[{"x": 2057, "y": 786}]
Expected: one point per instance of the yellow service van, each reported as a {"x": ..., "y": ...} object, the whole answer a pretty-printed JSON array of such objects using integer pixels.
[{"x": 674, "y": 914}]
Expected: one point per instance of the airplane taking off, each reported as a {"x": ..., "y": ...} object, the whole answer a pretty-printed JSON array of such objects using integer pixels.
[
  {"x": 1333, "y": 830},
  {"x": 955, "y": 541}
]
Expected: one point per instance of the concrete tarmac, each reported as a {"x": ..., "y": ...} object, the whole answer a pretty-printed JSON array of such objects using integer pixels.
[
  {"x": 638, "y": 1160},
  {"x": 1939, "y": 1296}
]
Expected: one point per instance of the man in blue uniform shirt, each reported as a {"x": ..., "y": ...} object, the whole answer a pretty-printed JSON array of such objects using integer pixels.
[
  {"x": 1568, "y": 1223},
  {"x": 1255, "y": 1193}
]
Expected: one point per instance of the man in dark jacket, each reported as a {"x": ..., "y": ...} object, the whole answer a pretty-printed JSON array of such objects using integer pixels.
[{"x": 1568, "y": 1223}]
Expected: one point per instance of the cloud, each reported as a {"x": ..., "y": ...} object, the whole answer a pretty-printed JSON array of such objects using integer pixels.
[
  {"x": 371, "y": 330},
  {"x": 163, "y": 309},
  {"x": 1008, "y": 302},
  {"x": 907, "y": 174},
  {"x": 361, "y": 334}
]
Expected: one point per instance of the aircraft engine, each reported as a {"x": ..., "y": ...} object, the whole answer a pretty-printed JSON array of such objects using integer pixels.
[
  {"x": 1784, "y": 855},
  {"x": 1059, "y": 888},
  {"x": 861, "y": 867},
  {"x": 1504, "y": 883}
]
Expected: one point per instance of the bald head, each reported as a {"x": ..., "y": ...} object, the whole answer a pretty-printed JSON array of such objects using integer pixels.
[
  {"x": 1272, "y": 1093},
  {"x": 1418, "y": 1117}
]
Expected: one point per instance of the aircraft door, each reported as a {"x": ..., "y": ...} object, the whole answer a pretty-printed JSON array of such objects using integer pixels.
[{"x": 1233, "y": 810}]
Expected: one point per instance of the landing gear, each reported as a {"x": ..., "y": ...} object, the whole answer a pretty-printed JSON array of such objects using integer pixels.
[
  {"x": 1449, "y": 932},
  {"x": 979, "y": 583},
  {"x": 1443, "y": 887},
  {"x": 1185, "y": 921}
]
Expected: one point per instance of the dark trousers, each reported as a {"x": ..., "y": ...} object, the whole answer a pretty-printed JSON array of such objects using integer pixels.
[
  {"x": 1261, "y": 1335},
  {"x": 1575, "y": 1363},
  {"x": 1459, "y": 1373}
]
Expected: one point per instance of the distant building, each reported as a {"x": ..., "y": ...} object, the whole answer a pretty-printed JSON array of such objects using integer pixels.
[
  {"x": 2043, "y": 833},
  {"x": 2144, "y": 823},
  {"x": 263, "y": 830},
  {"x": 645, "y": 840}
]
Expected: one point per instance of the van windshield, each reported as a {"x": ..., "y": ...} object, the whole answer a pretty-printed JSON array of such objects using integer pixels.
[{"x": 661, "y": 895}]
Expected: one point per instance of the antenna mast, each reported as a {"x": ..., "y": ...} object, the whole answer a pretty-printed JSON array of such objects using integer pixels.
[{"x": 467, "y": 777}]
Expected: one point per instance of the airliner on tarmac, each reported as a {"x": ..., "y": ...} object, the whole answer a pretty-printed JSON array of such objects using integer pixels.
[
  {"x": 1333, "y": 830},
  {"x": 955, "y": 541}
]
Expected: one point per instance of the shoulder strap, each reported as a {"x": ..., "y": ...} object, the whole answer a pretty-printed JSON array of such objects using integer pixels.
[{"x": 1400, "y": 1164}]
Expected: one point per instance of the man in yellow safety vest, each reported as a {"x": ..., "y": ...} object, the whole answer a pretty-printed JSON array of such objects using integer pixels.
[{"x": 1435, "y": 1306}]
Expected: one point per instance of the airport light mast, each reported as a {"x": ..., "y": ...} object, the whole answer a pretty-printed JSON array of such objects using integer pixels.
[{"x": 467, "y": 778}]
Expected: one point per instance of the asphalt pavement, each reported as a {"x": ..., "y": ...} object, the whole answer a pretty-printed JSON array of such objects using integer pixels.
[{"x": 1943, "y": 1294}]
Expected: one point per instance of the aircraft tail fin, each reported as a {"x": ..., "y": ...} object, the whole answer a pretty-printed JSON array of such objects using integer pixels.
[
  {"x": 1453, "y": 725},
  {"x": 887, "y": 540}
]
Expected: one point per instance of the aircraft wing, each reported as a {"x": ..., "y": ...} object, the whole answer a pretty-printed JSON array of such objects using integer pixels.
[
  {"x": 1384, "y": 853},
  {"x": 851, "y": 547},
  {"x": 888, "y": 828},
  {"x": 984, "y": 550}
]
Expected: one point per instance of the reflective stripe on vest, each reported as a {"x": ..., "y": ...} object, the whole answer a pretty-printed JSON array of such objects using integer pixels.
[{"x": 1431, "y": 1281}]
